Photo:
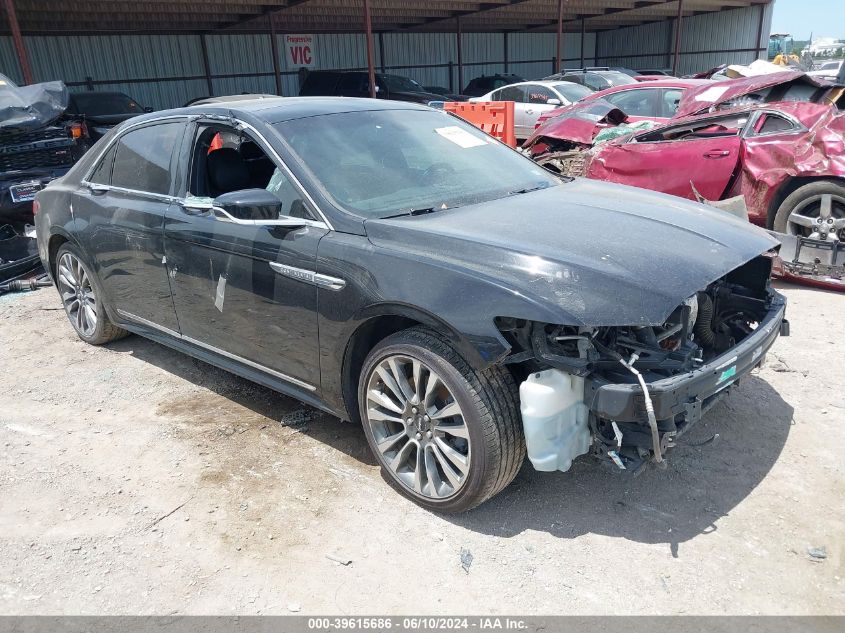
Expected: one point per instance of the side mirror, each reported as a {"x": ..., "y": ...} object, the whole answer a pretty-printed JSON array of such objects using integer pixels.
[
  {"x": 149, "y": 109},
  {"x": 249, "y": 205},
  {"x": 554, "y": 102}
]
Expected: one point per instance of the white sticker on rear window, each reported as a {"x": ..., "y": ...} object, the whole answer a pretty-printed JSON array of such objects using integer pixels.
[
  {"x": 460, "y": 137},
  {"x": 711, "y": 94}
]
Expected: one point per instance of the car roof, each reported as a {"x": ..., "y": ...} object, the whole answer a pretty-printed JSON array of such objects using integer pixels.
[
  {"x": 280, "y": 109},
  {"x": 657, "y": 83}
]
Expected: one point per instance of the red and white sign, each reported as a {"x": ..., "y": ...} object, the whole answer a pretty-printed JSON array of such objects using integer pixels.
[{"x": 299, "y": 51}]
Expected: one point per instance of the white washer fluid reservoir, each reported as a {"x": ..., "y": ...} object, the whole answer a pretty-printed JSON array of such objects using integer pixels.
[{"x": 554, "y": 417}]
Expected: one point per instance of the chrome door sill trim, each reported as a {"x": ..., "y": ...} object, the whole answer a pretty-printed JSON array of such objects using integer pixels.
[{"x": 216, "y": 350}]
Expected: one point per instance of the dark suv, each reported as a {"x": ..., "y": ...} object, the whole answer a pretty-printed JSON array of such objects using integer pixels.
[
  {"x": 331, "y": 83},
  {"x": 37, "y": 142},
  {"x": 486, "y": 83}
]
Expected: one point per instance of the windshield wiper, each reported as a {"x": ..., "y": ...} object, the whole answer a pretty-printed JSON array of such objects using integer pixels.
[
  {"x": 528, "y": 189},
  {"x": 420, "y": 211}
]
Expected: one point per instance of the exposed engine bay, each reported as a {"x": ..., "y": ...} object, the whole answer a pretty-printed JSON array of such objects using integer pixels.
[{"x": 703, "y": 329}]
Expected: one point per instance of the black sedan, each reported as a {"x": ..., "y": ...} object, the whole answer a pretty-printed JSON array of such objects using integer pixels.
[{"x": 394, "y": 266}]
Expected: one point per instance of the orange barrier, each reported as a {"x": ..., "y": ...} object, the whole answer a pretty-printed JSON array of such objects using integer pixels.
[{"x": 493, "y": 117}]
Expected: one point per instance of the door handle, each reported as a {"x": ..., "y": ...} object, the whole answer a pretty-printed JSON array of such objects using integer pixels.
[{"x": 717, "y": 153}]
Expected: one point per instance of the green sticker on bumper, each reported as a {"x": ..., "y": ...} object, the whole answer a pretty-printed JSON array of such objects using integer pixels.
[{"x": 728, "y": 373}]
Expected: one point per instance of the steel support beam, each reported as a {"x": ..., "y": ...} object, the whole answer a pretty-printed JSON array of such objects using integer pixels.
[
  {"x": 678, "y": 28},
  {"x": 460, "y": 54},
  {"x": 368, "y": 29},
  {"x": 558, "y": 50},
  {"x": 583, "y": 34},
  {"x": 20, "y": 48},
  {"x": 274, "y": 50},
  {"x": 505, "y": 36},
  {"x": 206, "y": 66}
]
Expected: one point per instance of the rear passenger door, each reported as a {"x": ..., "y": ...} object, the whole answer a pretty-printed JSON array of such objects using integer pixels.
[{"x": 123, "y": 202}]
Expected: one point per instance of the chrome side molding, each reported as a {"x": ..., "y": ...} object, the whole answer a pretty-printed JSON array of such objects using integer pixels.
[{"x": 309, "y": 276}]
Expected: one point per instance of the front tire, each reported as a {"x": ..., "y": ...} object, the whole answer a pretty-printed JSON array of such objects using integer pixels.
[
  {"x": 447, "y": 436},
  {"x": 82, "y": 298}
]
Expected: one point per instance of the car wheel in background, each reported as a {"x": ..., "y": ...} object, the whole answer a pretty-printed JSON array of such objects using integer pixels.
[
  {"x": 815, "y": 210},
  {"x": 82, "y": 299},
  {"x": 449, "y": 437}
]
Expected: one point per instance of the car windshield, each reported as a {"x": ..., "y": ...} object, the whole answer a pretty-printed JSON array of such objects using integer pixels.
[
  {"x": 105, "y": 103},
  {"x": 397, "y": 83},
  {"x": 572, "y": 92},
  {"x": 396, "y": 162}
]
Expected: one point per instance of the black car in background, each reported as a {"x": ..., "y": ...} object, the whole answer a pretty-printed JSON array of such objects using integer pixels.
[
  {"x": 38, "y": 142},
  {"x": 332, "y": 83},
  {"x": 484, "y": 84},
  {"x": 101, "y": 111},
  {"x": 395, "y": 266}
]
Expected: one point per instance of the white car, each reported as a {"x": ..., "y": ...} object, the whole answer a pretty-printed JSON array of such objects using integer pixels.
[
  {"x": 533, "y": 98},
  {"x": 827, "y": 70}
]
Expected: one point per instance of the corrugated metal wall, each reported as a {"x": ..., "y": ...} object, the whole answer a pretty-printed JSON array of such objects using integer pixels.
[
  {"x": 705, "y": 38},
  {"x": 243, "y": 63}
]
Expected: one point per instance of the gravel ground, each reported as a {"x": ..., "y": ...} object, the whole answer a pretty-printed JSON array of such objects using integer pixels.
[{"x": 135, "y": 480}]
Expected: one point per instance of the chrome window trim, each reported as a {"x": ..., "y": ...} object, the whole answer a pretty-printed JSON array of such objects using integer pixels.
[
  {"x": 325, "y": 223},
  {"x": 216, "y": 350},
  {"x": 797, "y": 128}
]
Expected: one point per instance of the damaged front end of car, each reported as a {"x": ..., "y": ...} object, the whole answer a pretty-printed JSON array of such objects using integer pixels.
[{"x": 627, "y": 393}]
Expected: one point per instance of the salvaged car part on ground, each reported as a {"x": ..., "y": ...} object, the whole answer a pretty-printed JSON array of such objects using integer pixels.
[
  {"x": 37, "y": 142},
  {"x": 393, "y": 265}
]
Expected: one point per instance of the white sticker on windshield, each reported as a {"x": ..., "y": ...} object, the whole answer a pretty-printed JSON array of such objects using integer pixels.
[
  {"x": 711, "y": 94},
  {"x": 460, "y": 137}
]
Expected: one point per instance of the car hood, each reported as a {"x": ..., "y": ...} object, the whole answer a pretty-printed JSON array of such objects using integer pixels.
[
  {"x": 703, "y": 98},
  {"x": 597, "y": 253},
  {"x": 579, "y": 122}
]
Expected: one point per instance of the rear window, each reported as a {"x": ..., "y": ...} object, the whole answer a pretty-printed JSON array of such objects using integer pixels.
[{"x": 142, "y": 161}]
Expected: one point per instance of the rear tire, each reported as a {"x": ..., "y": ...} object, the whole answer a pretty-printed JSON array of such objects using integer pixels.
[
  {"x": 447, "y": 436},
  {"x": 81, "y": 295},
  {"x": 816, "y": 208}
]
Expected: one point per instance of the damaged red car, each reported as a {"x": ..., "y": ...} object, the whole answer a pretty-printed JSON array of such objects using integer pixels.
[{"x": 771, "y": 147}]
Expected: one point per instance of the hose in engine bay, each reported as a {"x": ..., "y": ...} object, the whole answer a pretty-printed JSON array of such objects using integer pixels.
[{"x": 649, "y": 406}]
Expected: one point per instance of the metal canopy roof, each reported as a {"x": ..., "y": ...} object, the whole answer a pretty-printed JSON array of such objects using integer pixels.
[{"x": 343, "y": 16}]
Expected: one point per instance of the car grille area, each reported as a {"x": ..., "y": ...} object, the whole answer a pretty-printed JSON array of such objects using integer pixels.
[{"x": 47, "y": 147}]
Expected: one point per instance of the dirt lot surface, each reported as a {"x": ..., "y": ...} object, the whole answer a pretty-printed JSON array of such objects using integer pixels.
[{"x": 134, "y": 479}]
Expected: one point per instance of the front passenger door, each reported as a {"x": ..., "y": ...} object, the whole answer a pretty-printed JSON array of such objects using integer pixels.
[{"x": 243, "y": 291}]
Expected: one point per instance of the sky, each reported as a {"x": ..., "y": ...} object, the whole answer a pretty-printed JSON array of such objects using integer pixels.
[{"x": 824, "y": 18}]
